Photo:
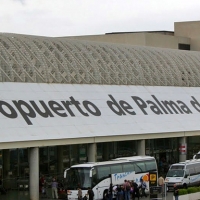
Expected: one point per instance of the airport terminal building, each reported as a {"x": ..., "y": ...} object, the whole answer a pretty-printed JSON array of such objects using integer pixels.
[{"x": 70, "y": 100}]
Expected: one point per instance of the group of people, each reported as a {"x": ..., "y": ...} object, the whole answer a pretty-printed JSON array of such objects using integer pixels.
[
  {"x": 89, "y": 195},
  {"x": 128, "y": 190},
  {"x": 43, "y": 185}
]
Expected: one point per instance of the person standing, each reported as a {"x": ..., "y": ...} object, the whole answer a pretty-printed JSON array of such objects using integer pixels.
[
  {"x": 79, "y": 194},
  {"x": 119, "y": 193},
  {"x": 143, "y": 188},
  {"x": 176, "y": 192},
  {"x": 41, "y": 183},
  {"x": 127, "y": 188},
  {"x": 161, "y": 183},
  {"x": 90, "y": 193},
  {"x": 136, "y": 190},
  {"x": 110, "y": 191},
  {"x": 54, "y": 188}
]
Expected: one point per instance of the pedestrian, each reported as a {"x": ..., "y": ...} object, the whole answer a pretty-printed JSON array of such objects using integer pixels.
[
  {"x": 41, "y": 183},
  {"x": 54, "y": 188},
  {"x": 79, "y": 194},
  {"x": 119, "y": 192},
  {"x": 115, "y": 191},
  {"x": 90, "y": 193},
  {"x": 132, "y": 191},
  {"x": 143, "y": 188},
  {"x": 161, "y": 183},
  {"x": 127, "y": 188},
  {"x": 110, "y": 191},
  {"x": 136, "y": 190},
  {"x": 176, "y": 192}
]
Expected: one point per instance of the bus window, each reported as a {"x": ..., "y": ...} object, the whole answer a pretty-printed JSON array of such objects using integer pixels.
[
  {"x": 78, "y": 177},
  {"x": 103, "y": 172},
  {"x": 139, "y": 167},
  {"x": 116, "y": 168},
  {"x": 128, "y": 167},
  {"x": 150, "y": 166}
]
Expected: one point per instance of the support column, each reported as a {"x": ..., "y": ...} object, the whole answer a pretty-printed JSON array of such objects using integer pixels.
[
  {"x": 6, "y": 168},
  {"x": 34, "y": 173},
  {"x": 115, "y": 149},
  {"x": 106, "y": 151},
  {"x": 141, "y": 147},
  {"x": 60, "y": 159},
  {"x": 92, "y": 151},
  {"x": 182, "y": 149}
]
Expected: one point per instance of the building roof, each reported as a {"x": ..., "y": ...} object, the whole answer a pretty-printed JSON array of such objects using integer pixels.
[{"x": 38, "y": 59}]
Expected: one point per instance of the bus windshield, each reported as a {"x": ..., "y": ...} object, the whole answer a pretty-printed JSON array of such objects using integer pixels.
[
  {"x": 175, "y": 173},
  {"x": 78, "y": 177}
]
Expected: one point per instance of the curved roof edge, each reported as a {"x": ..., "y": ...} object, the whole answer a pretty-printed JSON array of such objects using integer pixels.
[{"x": 36, "y": 59}]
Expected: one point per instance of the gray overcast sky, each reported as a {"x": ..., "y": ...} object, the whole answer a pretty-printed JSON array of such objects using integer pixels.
[{"x": 93, "y": 17}]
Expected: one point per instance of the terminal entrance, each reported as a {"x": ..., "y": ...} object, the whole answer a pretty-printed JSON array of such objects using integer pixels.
[
  {"x": 165, "y": 151},
  {"x": 14, "y": 163}
]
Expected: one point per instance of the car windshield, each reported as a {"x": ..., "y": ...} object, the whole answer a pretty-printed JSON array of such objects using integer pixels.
[
  {"x": 175, "y": 173},
  {"x": 78, "y": 177}
]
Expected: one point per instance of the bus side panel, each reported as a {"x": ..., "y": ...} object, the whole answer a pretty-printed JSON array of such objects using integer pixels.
[
  {"x": 100, "y": 188},
  {"x": 118, "y": 178}
]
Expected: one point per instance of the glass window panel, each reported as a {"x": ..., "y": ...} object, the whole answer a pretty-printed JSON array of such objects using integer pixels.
[
  {"x": 74, "y": 151},
  {"x": 116, "y": 168},
  {"x": 139, "y": 167},
  {"x": 128, "y": 167},
  {"x": 103, "y": 172},
  {"x": 151, "y": 165}
]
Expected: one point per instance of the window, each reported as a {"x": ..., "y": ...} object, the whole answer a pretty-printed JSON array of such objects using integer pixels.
[
  {"x": 177, "y": 167},
  {"x": 191, "y": 169},
  {"x": 197, "y": 169},
  {"x": 183, "y": 46},
  {"x": 128, "y": 167},
  {"x": 139, "y": 167},
  {"x": 103, "y": 172},
  {"x": 150, "y": 166},
  {"x": 116, "y": 168}
]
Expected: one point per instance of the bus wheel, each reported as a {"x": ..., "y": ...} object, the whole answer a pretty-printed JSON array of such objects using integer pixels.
[
  {"x": 105, "y": 195},
  {"x": 185, "y": 186}
]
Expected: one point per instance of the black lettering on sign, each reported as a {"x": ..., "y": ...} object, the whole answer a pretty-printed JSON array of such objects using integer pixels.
[{"x": 67, "y": 108}]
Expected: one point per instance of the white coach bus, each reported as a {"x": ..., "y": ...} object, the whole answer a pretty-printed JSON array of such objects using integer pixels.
[
  {"x": 184, "y": 174},
  {"x": 99, "y": 175}
]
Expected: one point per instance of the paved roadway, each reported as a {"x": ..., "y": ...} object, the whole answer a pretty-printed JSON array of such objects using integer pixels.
[{"x": 24, "y": 195}]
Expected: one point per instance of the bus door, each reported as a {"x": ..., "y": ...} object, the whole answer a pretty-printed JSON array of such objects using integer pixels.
[{"x": 95, "y": 187}]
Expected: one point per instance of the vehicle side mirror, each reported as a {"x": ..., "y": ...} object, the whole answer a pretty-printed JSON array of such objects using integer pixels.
[
  {"x": 91, "y": 172},
  {"x": 65, "y": 173}
]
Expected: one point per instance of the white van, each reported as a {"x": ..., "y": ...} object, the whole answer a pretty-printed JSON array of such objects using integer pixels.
[{"x": 184, "y": 174}]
